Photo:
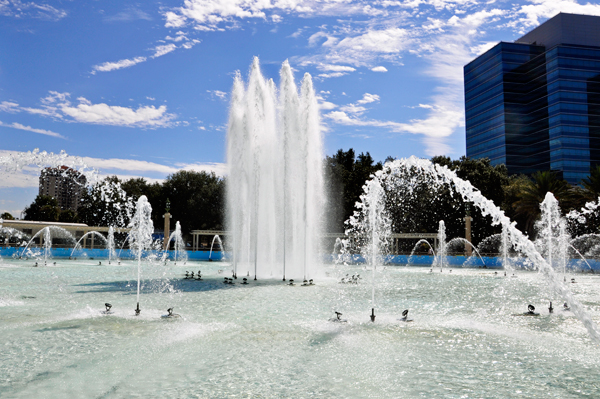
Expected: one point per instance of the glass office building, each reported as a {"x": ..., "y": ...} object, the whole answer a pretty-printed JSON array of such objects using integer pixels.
[{"x": 535, "y": 104}]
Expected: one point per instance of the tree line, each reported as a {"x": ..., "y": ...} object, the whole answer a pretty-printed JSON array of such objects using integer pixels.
[{"x": 197, "y": 199}]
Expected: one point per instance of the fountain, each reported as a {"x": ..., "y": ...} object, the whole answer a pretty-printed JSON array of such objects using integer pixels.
[
  {"x": 179, "y": 252},
  {"x": 140, "y": 237},
  {"x": 57, "y": 344},
  {"x": 440, "y": 259},
  {"x": 46, "y": 235},
  {"x": 216, "y": 238},
  {"x": 78, "y": 246},
  {"x": 394, "y": 173},
  {"x": 274, "y": 187},
  {"x": 112, "y": 255}
]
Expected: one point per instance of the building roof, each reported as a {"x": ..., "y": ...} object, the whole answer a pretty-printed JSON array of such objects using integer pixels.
[{"x": 577, "y": 29}]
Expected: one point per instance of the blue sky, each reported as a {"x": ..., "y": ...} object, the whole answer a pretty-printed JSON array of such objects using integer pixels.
[{"x": 142, "y": 88}]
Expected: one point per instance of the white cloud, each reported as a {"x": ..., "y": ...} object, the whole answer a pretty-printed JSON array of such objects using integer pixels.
[
  {"x": 335, "y": 68},
  {"x": 9, "y": 106},
  {"x": 482, "y": 48},
  {"x": 28, "y": 176},
  {"x": 111, "y": 66},
  {"x": 59, "y": 106},
  {"x": 331, "y": 75},
  {"x": 189, "y": 44},
  {"x": 368, "y": 98},
  {"x": 326, "y": 105},
  {"x": 542, "y": 9},
  {"x": 379, "y": 69},
  {"x": 19, "y": 126},
  {"x": 104, "y": 114},
  {"x": 218, "y": 93},
  {"x": 163, "y": 49},
  {"x": 352, "y": 109}
]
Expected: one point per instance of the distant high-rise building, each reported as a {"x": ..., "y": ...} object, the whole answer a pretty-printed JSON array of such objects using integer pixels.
[
  {"x": 64, "y": 184},
  {"x": 535, "y": 104}
]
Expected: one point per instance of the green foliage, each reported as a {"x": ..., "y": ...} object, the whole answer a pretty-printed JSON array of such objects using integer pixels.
[
  {"x": 7, "y": 216},
  {"x": 591, "y": 185},
  {"x": 533, "y": 191},
  {"x": 197, "y": 200},
  {"x": 345, "y": 175},
  {"x": 105, "y": 204},
  {"x": 417, "y": 205},
  {"x": 68, "y": 216},
  {"x": 43, "y": 209}
]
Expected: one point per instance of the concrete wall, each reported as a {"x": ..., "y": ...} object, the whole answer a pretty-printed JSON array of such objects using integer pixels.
[{"x": 103, "y": 253}]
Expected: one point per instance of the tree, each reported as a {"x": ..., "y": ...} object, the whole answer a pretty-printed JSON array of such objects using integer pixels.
[
  {"x": 345, "y": 175},
  {"x": 43, "y": 209},
  {"x": 7, "y": 216},
  {"x": 533, "y": 192},
  {"x": 591, "y": 185},
  {"x": 105, "y": 204},
  {"x": 68, "y": 216},
  {"x": 197, "y": 200},
  {"x": 137, "y": 187}
]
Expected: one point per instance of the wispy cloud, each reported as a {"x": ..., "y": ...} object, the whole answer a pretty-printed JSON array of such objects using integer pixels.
[
  {"x": 158, "y": 51},
  {"x": 19, "y": 126},
  {"x": 218, "y": 93},
  {"x": 30, "y": 9},
  {"x": 58, "y": 105},
  {"x": 130, "y": 14},
  {"x": 161, "y": 50},
  {"x": 113, "y": 66}
]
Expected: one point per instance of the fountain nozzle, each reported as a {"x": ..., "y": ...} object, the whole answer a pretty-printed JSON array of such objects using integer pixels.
[
  {"x": 405, "y": 315},
  {"x": 137, "y": 310},
  {"x": 373, "y": 315}
]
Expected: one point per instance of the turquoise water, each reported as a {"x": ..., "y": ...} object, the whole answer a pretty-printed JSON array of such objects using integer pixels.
[{"x": 270, "y": 340}]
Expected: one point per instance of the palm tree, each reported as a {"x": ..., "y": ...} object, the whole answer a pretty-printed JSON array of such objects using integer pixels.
[
  {"x": 533, "y": 193},
  {"x": 591, "y": 185}
]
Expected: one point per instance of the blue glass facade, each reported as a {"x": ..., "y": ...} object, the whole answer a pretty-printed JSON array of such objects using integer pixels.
[{"x": 536, "y": 108}]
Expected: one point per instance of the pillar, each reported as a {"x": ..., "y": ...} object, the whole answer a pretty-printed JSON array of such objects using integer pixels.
[
  {"x": 167, "y": 217},
  {"x": 468, "y": 247}
]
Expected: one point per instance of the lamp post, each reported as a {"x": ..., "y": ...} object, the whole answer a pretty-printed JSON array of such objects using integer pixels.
[
  {"x": 167, "y": 217},
  {"x": 468, "y": 219}
]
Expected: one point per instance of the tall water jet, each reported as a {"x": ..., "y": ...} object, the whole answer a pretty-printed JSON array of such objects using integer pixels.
[
  {"x": 504, "y": 247},
  {"x": 441, "y": 253},
  {"x": 140, "y": 236},
  {"x": 212, "y": 244},
  {"x": 111, "y": 245},
  {"x": 370, "y": 229},
  {"x": 179, "y": 252},
  {"x": 274, "y": 187}
]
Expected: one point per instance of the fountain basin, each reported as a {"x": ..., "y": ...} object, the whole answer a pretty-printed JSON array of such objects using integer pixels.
[{"x": 268, "y": 339}]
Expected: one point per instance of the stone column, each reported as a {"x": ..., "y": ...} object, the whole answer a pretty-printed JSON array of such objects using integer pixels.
[
  {"x": 167, "y": 217},
  {"x": 468, "y": 247}
]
